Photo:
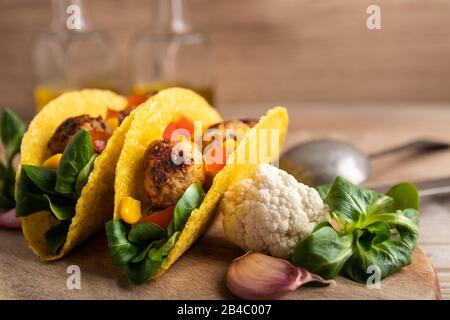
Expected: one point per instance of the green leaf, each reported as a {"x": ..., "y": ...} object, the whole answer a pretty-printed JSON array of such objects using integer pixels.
[
  {"x": 387, "y": 255},
  {"x": 191, "y": 199},
  {"x": 376, "y": 233},
  {"x": 120, "y": 249},
  {"x": 163, "y": 251},
  {"x": 145, "y": 232},
  {"x": 323, "y": 190},
  {"x": 171, "y": 228},
  {"x": 375, "y": 230},
  {"x": 63, "y": 210},
  {"x": 36, "y": 193},
  {"x": 144, "y": 253},
  {"x": 352, "y": 203},
  {"x": 43, "y": 178},
  {"x": 76, "y": 156},
  {"x": 12, "y": 130},
  {"x": 57, "y": 235},
  {"x": 405, "y": 196},
  {"x": 324, "y": 251},
  {"x": 140, "y": 272},
  {"x": 83, "y": 176},
  {"x": 30, "y": 198}
]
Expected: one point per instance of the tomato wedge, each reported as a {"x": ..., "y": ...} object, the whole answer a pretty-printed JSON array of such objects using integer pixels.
[
  {"x": 99, "y": 140},
  {"x": 134, "y": 101},
  {"x": 113, "y": 114},
  {"x": 215, "y": 162},
  {"x": 181, "y": 123},
  {"x": 161, "y": 218}
]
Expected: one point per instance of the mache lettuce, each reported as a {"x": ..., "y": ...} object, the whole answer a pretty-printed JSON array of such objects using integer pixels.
[
  {"x": 366, "y": 228},
  {"x": 12, "y": 130}
]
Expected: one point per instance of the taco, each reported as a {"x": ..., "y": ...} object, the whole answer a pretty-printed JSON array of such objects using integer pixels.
[
  {"x": 65, "y": 181},
  {"x": 173, "y": 169}
]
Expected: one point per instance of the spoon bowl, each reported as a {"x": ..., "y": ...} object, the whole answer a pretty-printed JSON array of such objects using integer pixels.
[{"x": 320, "y": 161}]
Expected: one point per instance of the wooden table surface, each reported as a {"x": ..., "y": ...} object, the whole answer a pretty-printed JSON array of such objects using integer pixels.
[{"x": 373, "y": 128}]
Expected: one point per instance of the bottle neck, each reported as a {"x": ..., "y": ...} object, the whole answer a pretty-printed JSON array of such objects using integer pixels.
[
  {"x": 68, "y": 16},
  {"x": 170, "y": 16}
]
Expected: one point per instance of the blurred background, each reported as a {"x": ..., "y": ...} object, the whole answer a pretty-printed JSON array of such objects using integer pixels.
[{"x": 265, "y": 50}]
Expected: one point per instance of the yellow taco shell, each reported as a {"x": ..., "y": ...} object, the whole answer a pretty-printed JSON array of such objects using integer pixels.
[
  {"x": 94, "y": 207},
  {"x": 164, "y": 108}
]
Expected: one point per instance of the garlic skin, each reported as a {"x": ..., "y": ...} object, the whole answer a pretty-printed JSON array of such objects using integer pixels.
[{"x": 256, "y": 276}]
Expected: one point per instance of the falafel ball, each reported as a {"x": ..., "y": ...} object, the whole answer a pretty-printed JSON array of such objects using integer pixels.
[
  {"x": 64, "y": 133},
  {"x": 170, "y": 167}
]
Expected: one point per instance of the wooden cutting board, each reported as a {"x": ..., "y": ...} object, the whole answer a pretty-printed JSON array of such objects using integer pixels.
[{"x": 199, "y": 274}]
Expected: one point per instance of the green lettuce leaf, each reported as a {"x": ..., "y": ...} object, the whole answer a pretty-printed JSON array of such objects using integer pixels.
[
  {"x": 374, "y": 246},
  {"x": 191, "y": 199},
  {"x": 30, "y": 198},
  {"x": 324, "y": 252},
  {"x": 145, "y": 232},
  {"x": 121, "y": 250},
  {"x": 12, "y": 130},
  {"x": 352, "y": 203},
  {"x": 84, "y": 174},
  {"x": 56, "y": 236},
  {"x": 140, "y": 272},
  {"x": 372, "y": 230},
  {"x": 76, "y": 156}
]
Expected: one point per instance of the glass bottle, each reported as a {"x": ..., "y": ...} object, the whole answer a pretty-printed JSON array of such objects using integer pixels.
[
  {"x": 71, "y": 55},
  {"x": 171, "y": 54}
]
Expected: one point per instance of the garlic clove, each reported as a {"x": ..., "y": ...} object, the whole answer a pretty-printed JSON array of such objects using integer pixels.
[
  {"x": 8, "y": 220},
  {"x": 258, "y": 276}
]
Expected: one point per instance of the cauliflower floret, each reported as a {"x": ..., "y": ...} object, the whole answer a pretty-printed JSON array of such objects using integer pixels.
[{"x": 270, "y": 212}]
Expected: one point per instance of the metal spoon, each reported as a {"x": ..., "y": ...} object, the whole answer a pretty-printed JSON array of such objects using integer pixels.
[{"x": 320, "y": 161}]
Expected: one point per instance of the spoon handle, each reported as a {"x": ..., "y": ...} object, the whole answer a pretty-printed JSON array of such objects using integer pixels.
[
  {"x": 417, "y": 145},
  {"x": 426, "y": 188}
]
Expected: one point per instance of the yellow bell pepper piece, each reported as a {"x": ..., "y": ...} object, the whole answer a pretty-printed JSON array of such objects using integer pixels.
[
  {"x": 130, "y": 210},
  {"x": 113, "y": 123},
  {"x": 53, "y": 161}
]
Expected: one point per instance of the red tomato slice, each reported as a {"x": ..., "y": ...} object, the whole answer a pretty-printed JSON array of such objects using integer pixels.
[
  {"x": 215, "y": 162},
  {"x": 113, "y": 114},
  {"x": 181, "y": 123},
  {"x": 185, "y": 123},
  {"x": 167, "y": 135},
  {"x": 162, "y": 218},
  {"x": 134, "y": 101},
  {"x": 99, "y": 140}
]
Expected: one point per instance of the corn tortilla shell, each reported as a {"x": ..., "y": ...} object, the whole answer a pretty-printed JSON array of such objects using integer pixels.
[
  {"x": 94, "y": 207},
  {"x": 234, "y": 171},
  {"x": 165, "y": 107}
]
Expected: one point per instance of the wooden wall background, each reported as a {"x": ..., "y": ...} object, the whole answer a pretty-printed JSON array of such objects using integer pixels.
[{"x": 273, "y": 50}]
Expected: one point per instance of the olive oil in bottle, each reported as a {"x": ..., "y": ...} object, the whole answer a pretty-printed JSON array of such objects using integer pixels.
[{"x": 171, "y": 54}]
